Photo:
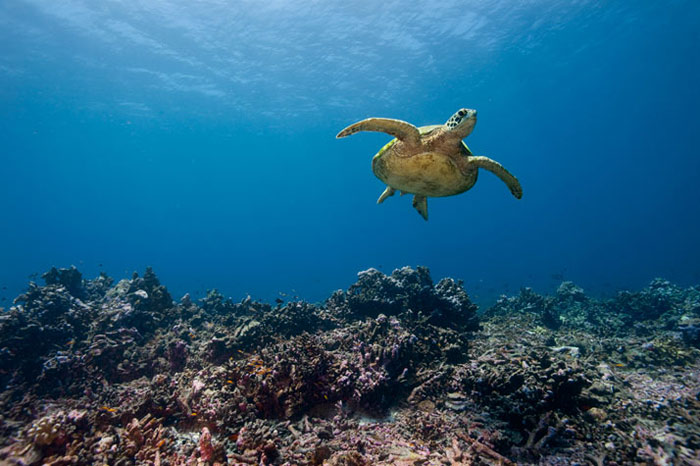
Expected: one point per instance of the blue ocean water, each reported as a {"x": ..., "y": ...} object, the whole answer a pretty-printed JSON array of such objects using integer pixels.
[{"x": 198, "y": 138}]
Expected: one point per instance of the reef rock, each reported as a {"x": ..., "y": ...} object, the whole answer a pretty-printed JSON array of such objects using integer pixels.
[
  {"x": 395, "y": 370},
  {"x": 407, "y": 289}
]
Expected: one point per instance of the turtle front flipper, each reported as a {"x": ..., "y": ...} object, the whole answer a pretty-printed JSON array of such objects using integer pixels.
[
  {"x": 421, "y": 205},
  {"x": 399, "y": 129},
  {"x": 389, "y": 191},
  {"x": 498, "y": 170}
]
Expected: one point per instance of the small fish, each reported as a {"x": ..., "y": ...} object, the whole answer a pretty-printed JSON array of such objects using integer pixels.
[
  {"x": 619, "y": 365},
  {"x": 71, "y": 342},
  {"x": 4, "y": 287},
  {"x": 279, "y": 301},
  {"x": 233, "y": 437},
  {"x": 193, "y": 414},
  {"x": 108, "y": 409},
  {"x": 229, "y": 381},
  {"x": 325, "y": 397}
]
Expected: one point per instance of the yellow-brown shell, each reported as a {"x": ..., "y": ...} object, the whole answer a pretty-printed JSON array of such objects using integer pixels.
[{"x": 434, "y": 170}]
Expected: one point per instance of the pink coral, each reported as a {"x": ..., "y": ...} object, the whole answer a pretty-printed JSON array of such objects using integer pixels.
[{"x": 206, "y": 450}]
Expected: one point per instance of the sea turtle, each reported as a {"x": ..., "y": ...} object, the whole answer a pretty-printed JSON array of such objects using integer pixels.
[{"x": 430, "y": 161}]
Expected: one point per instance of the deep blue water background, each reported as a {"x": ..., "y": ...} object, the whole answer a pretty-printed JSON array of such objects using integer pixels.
[{"x": 198, "y": 137}]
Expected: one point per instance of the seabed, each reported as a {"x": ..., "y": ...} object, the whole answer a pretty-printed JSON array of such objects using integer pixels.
[{"x": 396, "y": 370}]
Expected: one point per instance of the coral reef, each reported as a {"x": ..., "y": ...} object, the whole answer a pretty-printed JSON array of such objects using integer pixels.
[
  {"x": 445, "y": 304},
  {"x": 394, "y": 370}
]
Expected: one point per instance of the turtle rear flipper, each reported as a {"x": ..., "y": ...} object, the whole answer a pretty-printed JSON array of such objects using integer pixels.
[
  {"x": 389, "y": 191},
  {"x": 421, "y": 205},
  {"x": 498, "y": 170},
  {"x": 399, "y": 129}
]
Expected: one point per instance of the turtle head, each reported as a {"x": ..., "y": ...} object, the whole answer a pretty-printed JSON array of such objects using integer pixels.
[{"x": 462, "y": 122}]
